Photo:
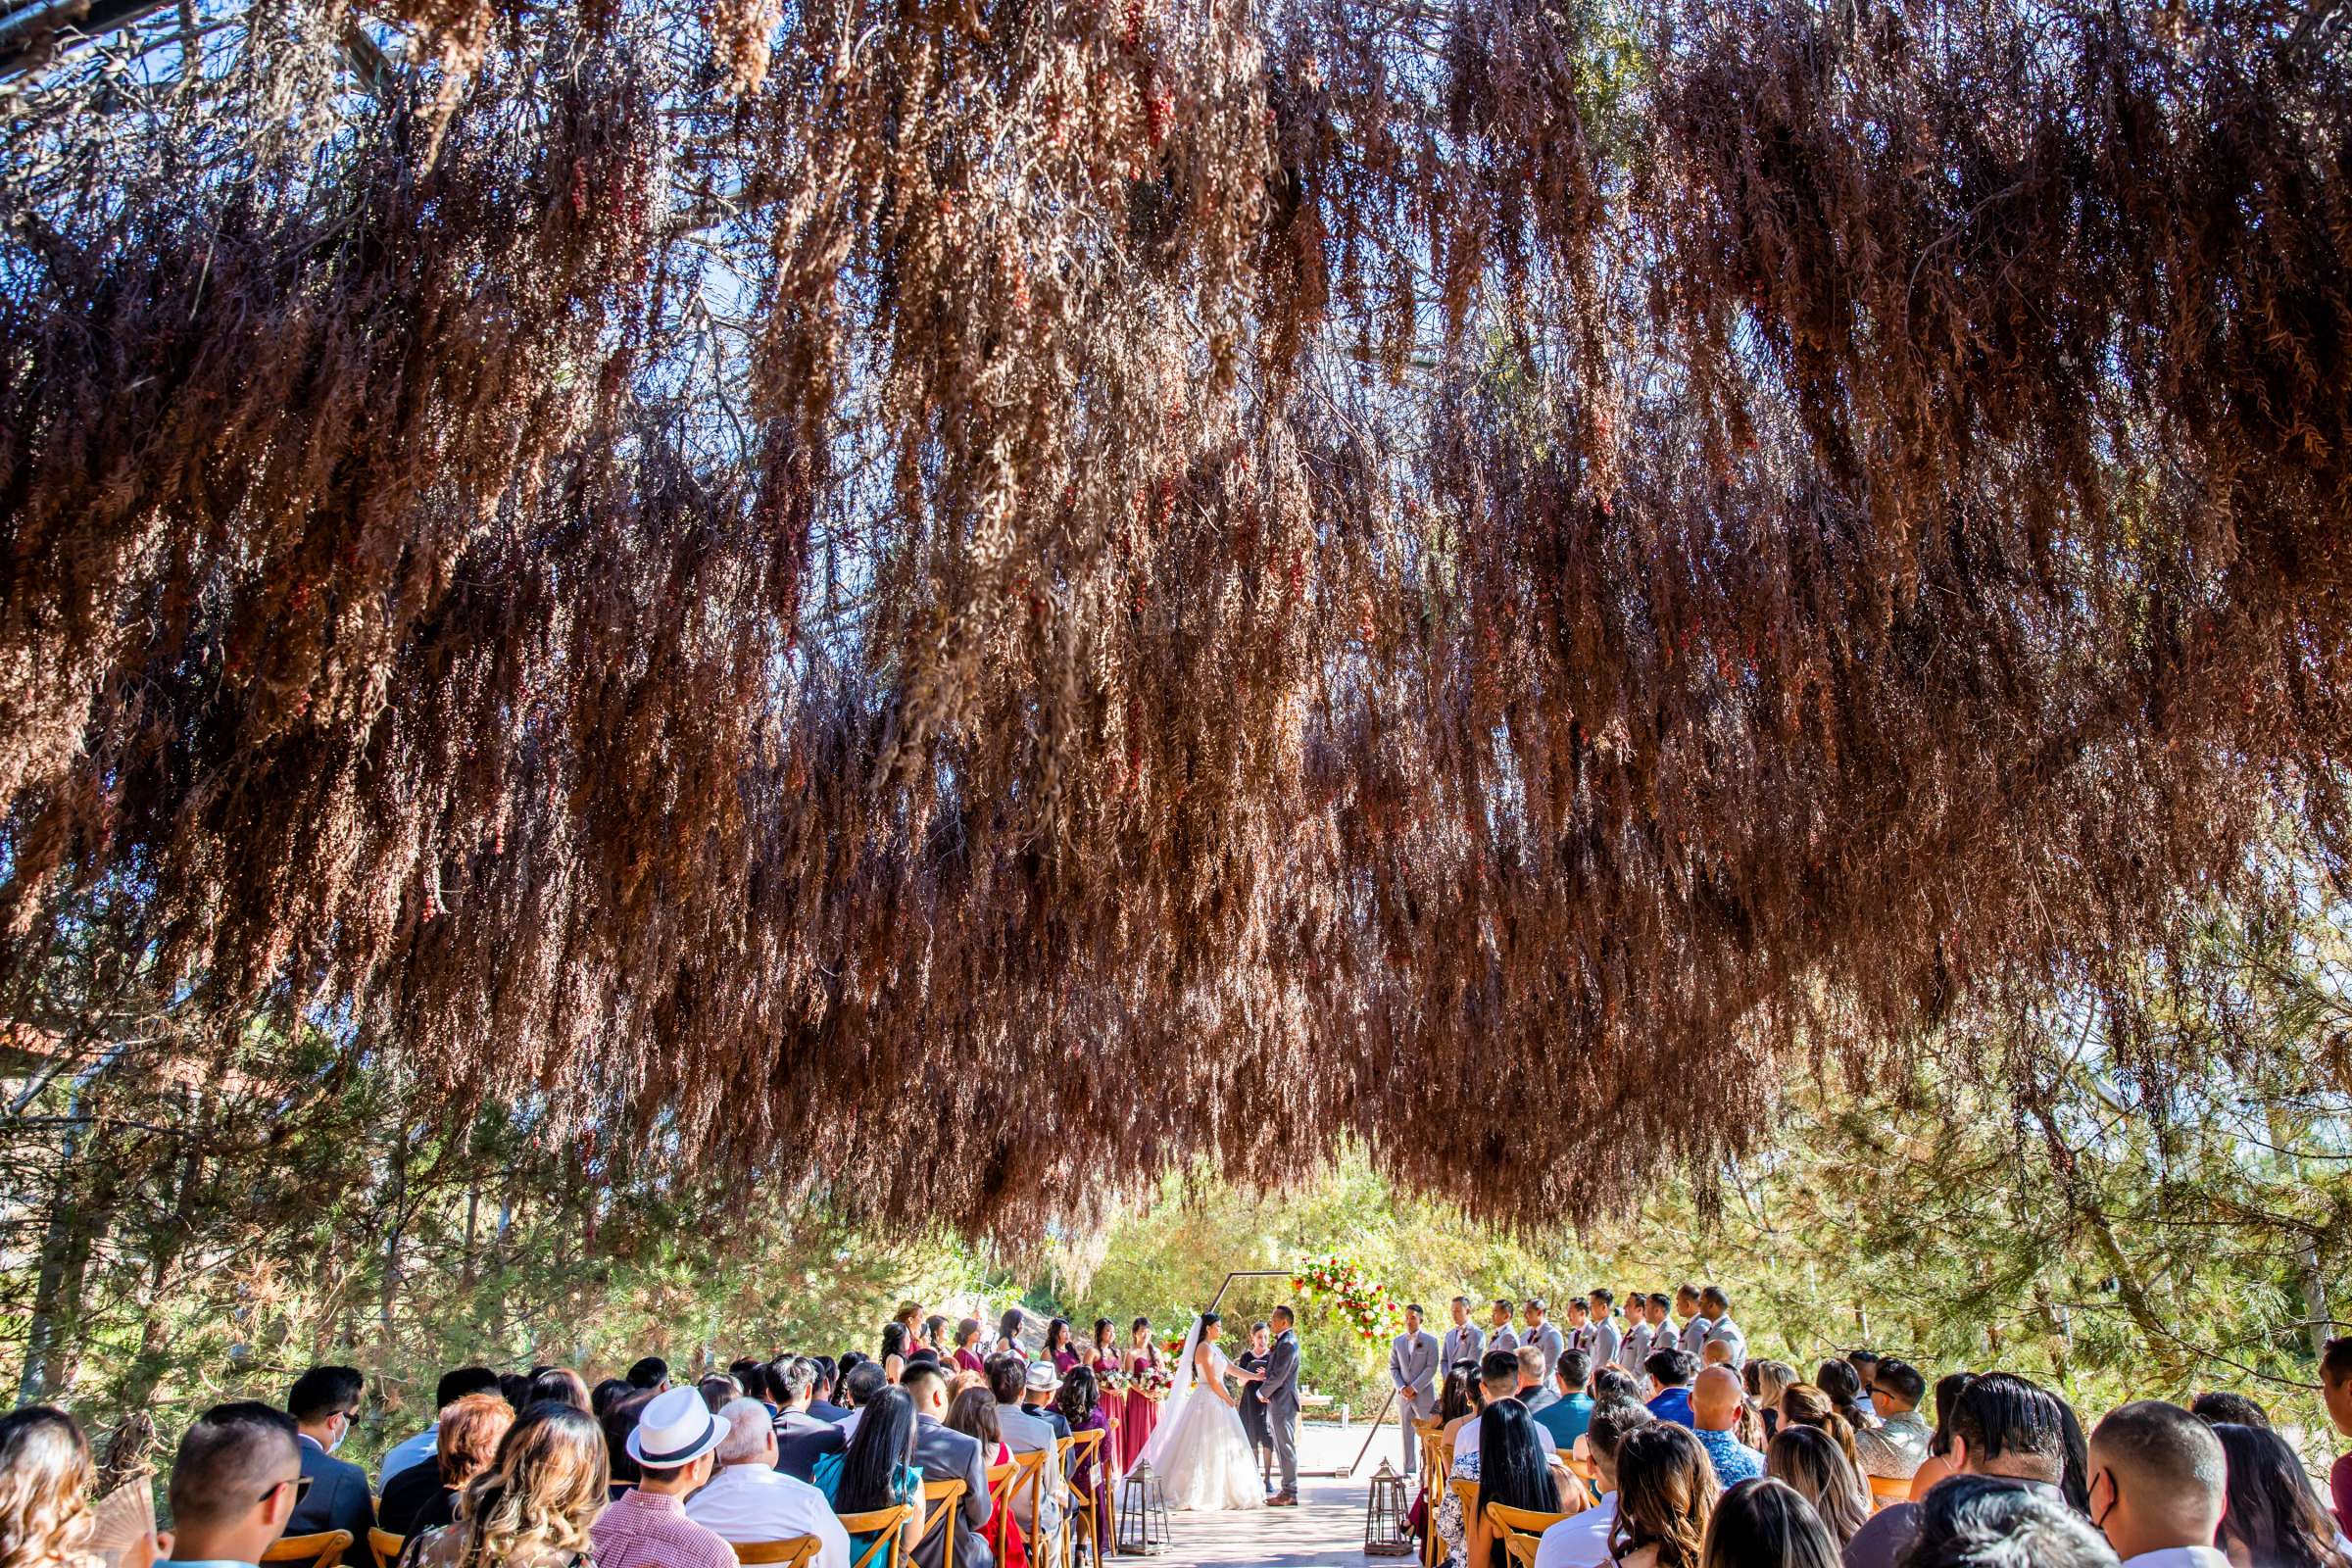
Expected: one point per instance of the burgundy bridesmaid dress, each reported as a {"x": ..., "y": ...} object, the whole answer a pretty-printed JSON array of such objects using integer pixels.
[{"x": 1143, "y": 1411}]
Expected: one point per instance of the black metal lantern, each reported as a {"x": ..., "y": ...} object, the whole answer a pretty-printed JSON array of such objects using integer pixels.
[
  {"x": 1385, "y": 1535},
  {"x": 1143, "y": 1527}
]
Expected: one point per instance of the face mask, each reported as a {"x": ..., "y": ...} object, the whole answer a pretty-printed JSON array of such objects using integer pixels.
[{"x": 343, "y": 1432}]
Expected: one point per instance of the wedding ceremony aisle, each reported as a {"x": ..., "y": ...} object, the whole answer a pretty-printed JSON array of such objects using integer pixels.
[{"x": 1326, "y": 1529}]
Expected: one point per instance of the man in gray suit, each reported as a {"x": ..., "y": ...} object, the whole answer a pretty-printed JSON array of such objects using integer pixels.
[
  {"x": 1464, "y": 1342},
  {"x": 1413, "y": 1370},
  {"x": 1500, "y": 1336},
  {"x": 1280, "y": 1391},
  {"x": 1544, "y": 1336}
]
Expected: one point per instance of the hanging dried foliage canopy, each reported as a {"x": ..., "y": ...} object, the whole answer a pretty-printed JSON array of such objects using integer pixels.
[{"x": 971, "y": 598}]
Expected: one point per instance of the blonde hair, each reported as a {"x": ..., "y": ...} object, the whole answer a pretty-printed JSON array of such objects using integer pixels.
[
  {"x": 45, "y": 1482},
  {"x": 536, "y": 1502},
  {"x": 1809, "y": 1405}
]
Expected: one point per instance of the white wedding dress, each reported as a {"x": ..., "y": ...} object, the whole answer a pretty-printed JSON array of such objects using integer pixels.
[{"x": 1198, "y": 1451}]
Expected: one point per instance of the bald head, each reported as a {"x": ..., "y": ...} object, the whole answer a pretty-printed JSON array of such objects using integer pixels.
[{"x": 1715, "y": 1399}]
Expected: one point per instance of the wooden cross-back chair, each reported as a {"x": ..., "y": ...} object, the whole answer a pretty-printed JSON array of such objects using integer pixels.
[
  {"x": 1029, "y": 1483},
  {"x": 885, "y": 1525},
  {"x": 940, "y": 1501},
  {"x": 384, "y": 1547},
  {"x": 1000, "y": 1509},
  {"x": 792, "y": 1552},
  {"x": 323, "y": 1550},
  {"x": 1082, "y": 1448},
  {"x": 1521, "y": 1531},
  {"x": 1474, "y": 1523},
  {"x": 1887, "y": 1491}
]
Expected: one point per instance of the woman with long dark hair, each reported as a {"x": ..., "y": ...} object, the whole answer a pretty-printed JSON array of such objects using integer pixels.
[
  {"x": 1140, "y": 1409},
  {"x": 1767, "y": 1524},
  {"x": 1009, "y": 1334},
  {"x": 1844, "y": 1384},
  {"x": 893, "y": 1342},
  {"x": 1515, "y": 1471},
  {"x": 2273, "y": 1518},
  {"x": 1080, "y": 1403},
  {"x": 878, "y": 1469},
  {"x": 973, "y": 1413},
  {"x": 532, "y": 1506},
  {"x": 1058, "y": 1347},
  {"x": 1938, "y": 1462},
  {"x": 1666, "y": 1490}
]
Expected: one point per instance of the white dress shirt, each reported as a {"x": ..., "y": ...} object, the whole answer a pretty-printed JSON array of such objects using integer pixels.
[
  {"x": 2179, "y": 1557},
  {"x": 754, "y": 1501},
  {"x": 1580, "y": 1541}
]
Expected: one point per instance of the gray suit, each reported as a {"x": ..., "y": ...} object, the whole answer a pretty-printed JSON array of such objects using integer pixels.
[
  {"x": 1465, "y": 1343},
  {"x": 1504, "y": 1337},
  {"x": 1413, "y": 1368},
  {"x": 943, "y": 1454},
  {"x": 1547, "y": 1340},
  {"x": 1280, "y": 1391}
]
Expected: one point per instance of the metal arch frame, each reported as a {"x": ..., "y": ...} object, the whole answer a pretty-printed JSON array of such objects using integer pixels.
[{"x": 1371, "y": 1433}]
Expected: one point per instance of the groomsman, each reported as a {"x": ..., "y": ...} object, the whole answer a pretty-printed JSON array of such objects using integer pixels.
[
  {"x": 1464, "y": 1342},
  {"x": 1498, "y": 1332},
  {"x": 1542, "y": 1335},
  {"x": 1607, "y": 1340},
  {"x": 1413, "y": 1369},
  {"x": 1694, "y": 1327},
  {"x": 1579, "y": 1336}
]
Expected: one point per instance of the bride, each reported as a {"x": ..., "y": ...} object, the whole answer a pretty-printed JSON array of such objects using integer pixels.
[{"x": 1199, "y": 1448}]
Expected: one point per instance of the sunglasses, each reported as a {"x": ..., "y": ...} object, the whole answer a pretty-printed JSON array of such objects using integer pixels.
[{"x": 299, "y": 1484}]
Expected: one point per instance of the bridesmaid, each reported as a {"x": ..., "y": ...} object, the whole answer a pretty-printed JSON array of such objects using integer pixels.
[
  {"x": 1009, "y": 1334},
  {"x": 1141, "y": 1413},
  {"x": 1059, "y": 1347},
  {"x": 909, "y": 1318},
  {"x": 1106, "y": 1364}
]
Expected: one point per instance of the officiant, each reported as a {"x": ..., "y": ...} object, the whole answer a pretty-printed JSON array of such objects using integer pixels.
[{"x": 1254, "y": 1402}]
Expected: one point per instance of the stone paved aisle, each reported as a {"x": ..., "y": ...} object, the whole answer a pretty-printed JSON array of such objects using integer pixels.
[{"x": 1325, "y": 1531}]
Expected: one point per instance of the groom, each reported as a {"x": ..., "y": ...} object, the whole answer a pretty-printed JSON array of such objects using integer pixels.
[{"x": 1281, "y": 1393}]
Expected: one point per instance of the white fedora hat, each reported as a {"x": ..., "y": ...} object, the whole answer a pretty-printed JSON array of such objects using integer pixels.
[{"x": 676, "y": 1429}]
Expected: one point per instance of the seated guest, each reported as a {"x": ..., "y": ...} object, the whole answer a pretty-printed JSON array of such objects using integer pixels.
[
  {"x": 515, "y": 1389},
  {"x": 1670, "y": 1373},
  {"x": 1499, "y": 1373},
  {"x": 943, "y": 1454},
  {"x": 1665, "y": 1496},
  {"x": 973, "y": 1412},
  {"x": 1715, "y": 1306},
  {"x": 1460, "y": 1398},
  {"x": 751, "y": 1501},
  {"x": 2336, "y": 1388},
  {"x": 2002, "y": 1426},
  {"x": 453, "y": 1385},
  {"x": 675, "y": 1445},
  {"x": 1807, "y": 1460},
  {"x": 1080, "y": 1404},
  {"x": 1716, "y": 1400},
  {"x": 2218, "y": 1405},
  {"x": 2273, "y": 1515},
  {"x": 2158, "y": 1483},
  {"x": 1765, "y": 1380},
  {"x": 1899, "y": 1445},
  {"x": 560, "y": 1385},
  {"x": 1844, "y": 1384},
  {"x": 651, "y": 1375},
  {"x": 1535, "y": 1376},
  {"x": 718, "y": 1391},
  {"x": 1938, "y": 1462},
  {"x": 1864, "y": 1366},
  {"x": 1616, "y": 1382},
  {"x": 1583, "y": 1540},
  {"x": 45, "y": 1483},
  {"x": 536, "y": 1503},
  {"x": 619, "y": 1423},
  {"x": 234, "y": 1483},
  {"x": 1985, "y": 1522},
  {"x": 1766, "y": 1524},
  {"x": 967, "y": 1347},
  {"x": 1024, "y": 1433},
  {"x": 1802, "y": 1405},
  {"x": 802, "y": 1436},
  {"x": 878, "y": 1471},
  {"x": 859, "y": 1389},
  {"x": 424, "y": 1497},
  {"x": 1517, "y": 1470},
  {"x": 608, "y": 1394},
  {"x": 1714, "y": 1353},
  {"x": 1039, "y": 1386},
  {"x": 324, "y": 1402},
  {"x": 1571, "y": 1408},
  {"x": 821, "y": 1391}
]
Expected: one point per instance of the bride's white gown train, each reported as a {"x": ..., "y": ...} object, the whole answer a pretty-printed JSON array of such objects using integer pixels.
[{"x": 1200, "y": 1452}]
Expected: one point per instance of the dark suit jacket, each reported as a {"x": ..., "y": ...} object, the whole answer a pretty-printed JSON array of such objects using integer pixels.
[
  {"x": 943, "y": 1454},
  {"x": 825, "y": 1410},
  {"x": 405, "y": 1498},
  {"x": 802, "y": 1440},
  {"x": 338, "y": 1499},
  {"x": 1254, "y": 1403},
  {"x": 1051, "y": 1418}
]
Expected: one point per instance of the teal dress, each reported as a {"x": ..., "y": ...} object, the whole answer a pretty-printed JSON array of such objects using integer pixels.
[{"x": 826, "y": 1478}]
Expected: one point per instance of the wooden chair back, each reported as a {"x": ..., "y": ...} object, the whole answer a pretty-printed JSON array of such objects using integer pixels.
[
  {"x": 883, "y": 1525},
  {"x": 1029, "y": 1483},
  {"x": 384, "y": 1547},
  {"x": 1885, "y": 1490},
  {"x": 940, "y": 1501},
  {"x": 999, "y": 1508},
  {"x": 792, "y": 1552},
  {"x": 1521, "y": 1531},
  {"x": 1085, "y": 1451},
  {"x": 323, "y": 1550},
  {"x": 1474, "y": 1523}
]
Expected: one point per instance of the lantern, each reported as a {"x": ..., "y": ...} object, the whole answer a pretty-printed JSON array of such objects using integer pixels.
[
  {"x": 1384, "y": 1516},
  {"x": 1144, "y": 1529}
]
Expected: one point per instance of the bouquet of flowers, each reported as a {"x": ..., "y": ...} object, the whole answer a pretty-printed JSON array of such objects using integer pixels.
[{"x": 1352, "y": 1291}]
